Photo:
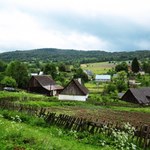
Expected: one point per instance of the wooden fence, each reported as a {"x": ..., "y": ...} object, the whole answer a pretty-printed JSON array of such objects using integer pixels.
[{"x": 141, "y": 134}]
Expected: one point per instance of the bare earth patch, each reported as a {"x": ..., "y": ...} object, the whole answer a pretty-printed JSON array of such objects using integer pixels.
[{"x": 134, "y": 118}]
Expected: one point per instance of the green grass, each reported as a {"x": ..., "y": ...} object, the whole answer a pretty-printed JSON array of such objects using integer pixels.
[
  {"x": 98, "y": 68},
  {"x": 17, "y": 135},
  {"x": 4, "y": 94},
  {"x": 93, "y": 87},
  {"x": 131, "y": 109},
  {"x": 95, "y": 101}
]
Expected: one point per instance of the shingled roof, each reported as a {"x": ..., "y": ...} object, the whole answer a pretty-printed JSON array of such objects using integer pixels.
[
  {"x": 47, "y": 82},
  {"x": 81, "y": 86},
  {"x": 78, "y": 85},
  {"x": 141, "y": 95}
]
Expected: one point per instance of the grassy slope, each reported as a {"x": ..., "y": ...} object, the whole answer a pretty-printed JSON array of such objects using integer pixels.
[{"x": 20, "y": 136}]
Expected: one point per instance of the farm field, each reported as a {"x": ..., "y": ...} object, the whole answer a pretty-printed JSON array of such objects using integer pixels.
[
  {"x": 98, "y": 68},
  {"x": 21, "y": 131},
  {"x": 104, "y": 111}
]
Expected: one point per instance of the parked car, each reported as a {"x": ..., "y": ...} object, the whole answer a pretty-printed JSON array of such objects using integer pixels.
[{"x": 10, "y": 89}]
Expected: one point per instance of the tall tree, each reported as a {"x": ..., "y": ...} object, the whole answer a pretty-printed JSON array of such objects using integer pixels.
[
  {"x": 62, "y": 67},
  {"x": 50, "y": 69},
  {"x": 146, "y": 66},
  {"x": 121, "y": 81},
  {"x": 80, "y": 74},
  {"x": 9, "y": 81},
  {"x": 121, "y": 67},
  {"x": 2, "y": 66},
  {"x": 18, "y": 71},
  {"x": 135, "y": 65}
]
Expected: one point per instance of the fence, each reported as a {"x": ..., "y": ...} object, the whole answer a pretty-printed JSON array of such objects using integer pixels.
[{"x": 141, "y": 134}]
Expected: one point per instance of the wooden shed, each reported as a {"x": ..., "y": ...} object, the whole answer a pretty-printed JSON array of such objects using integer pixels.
[
  {"x": 137, "y": 95},
  {"x": 44, "y": 84},
  {"x": 75, "y": 90}
]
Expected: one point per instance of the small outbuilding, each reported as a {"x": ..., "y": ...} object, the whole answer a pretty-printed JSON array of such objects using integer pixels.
[
  {"x": 75, "y": 90},
  {"x": 44, "y": 84},
  {"x": 137, "y": 95}
]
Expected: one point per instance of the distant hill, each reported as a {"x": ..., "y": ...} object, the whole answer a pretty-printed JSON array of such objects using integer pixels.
[{"x": 57, "y": 55}]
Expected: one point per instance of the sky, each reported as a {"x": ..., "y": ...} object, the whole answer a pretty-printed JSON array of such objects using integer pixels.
[{"x": 108, "y": 25}]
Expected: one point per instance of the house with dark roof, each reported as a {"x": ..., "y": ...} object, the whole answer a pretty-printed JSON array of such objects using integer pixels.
[
  {"x": 75, "y": 90},
  {"x": 137, "y": 95},
  {"x": 44, "y": 84}
]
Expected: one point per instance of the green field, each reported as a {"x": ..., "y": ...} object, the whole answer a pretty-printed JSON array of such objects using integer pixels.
[
  {"x": 32, "y": 132},
  {"x": 98, "y": 68}
]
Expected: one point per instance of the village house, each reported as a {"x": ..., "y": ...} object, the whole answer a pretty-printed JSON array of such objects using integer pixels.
[
  {"x": 103, "y": 78},
  {"x": 89, "y": 73},
  {"x": 75, "y": 90},
  {"x": 44, "y": 84},
  {"x": 133, "y": 83},
  {"x": 137, "y": 95}
]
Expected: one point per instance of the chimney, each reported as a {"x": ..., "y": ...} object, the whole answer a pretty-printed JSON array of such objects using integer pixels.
[{"x": 79, "y": 80}]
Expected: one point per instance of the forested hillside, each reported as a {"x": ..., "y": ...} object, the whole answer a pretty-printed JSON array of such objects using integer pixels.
[{"x": 55, "y": 55}]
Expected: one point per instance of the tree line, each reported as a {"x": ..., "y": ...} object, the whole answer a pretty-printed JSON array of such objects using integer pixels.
[
  {"x": 72, "y": 56},
  {"x": 17, "y": 74}
]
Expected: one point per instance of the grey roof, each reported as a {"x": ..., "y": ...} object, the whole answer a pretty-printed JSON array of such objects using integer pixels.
[
  {"x": 89, "y": 72},
  {"x": 47, "y": 82},
  {"x": 44, "y": 80},
  {"x": 141, "y": 94}
]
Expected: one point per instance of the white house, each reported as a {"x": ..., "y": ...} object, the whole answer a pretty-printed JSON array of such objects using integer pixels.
[
  {"x": 74, "y": 91},
  {"x": 103, "y": 78}
]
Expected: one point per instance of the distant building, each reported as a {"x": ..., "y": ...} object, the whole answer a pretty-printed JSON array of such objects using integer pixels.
[
  {"x": 89, "y": 73},
  {"x": 41, "y": 73},
  {"x": 75, "y": 90},
  {"x": 44, "y": 85},
  {"x": 33, "y": 74},
  {"x": 142, "y": 72},
  {"x": 133, "y": 83},
  {"x": 137, "y": 95},
  {"x": 103, "y": 78}
]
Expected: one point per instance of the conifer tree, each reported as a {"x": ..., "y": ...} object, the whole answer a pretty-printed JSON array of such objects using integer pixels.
[{"x": 135, "y": 65}]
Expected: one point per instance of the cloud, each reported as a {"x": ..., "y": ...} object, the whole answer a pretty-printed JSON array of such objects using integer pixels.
[{"x": 85, "y": 24}]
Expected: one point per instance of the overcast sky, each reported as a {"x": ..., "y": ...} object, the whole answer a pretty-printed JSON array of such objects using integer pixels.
[{"x": 110, "y": 25}]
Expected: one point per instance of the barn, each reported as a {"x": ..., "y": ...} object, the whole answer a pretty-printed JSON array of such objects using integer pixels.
[
  {"x": 75, "y": 90},
  {"x": 44, "y": 84},
  {"x": 137, "y": 95}
]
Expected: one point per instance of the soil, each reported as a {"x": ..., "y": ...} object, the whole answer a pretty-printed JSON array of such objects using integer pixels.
[{"x": 107, "y": 115}]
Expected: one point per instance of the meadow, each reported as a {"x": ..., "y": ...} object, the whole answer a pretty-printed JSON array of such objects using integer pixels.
[{"x": 98, "y": 68}]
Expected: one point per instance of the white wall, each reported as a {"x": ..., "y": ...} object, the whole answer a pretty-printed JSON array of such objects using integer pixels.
[{"x": 72, "y": 97}]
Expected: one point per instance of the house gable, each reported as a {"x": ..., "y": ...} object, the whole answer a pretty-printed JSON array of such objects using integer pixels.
[
  {"x": 72, "y": 89},
  {"x": 44, "y": 85},
  {"x": 129, "y": 97},
  {"x": 141, "y": 95}
]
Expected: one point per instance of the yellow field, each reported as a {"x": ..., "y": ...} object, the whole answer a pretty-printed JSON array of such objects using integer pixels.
[{"x": 98, "y": 68}]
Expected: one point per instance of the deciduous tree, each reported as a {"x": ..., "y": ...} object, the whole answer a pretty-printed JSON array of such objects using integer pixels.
[{"x": 18, "y": 71}]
